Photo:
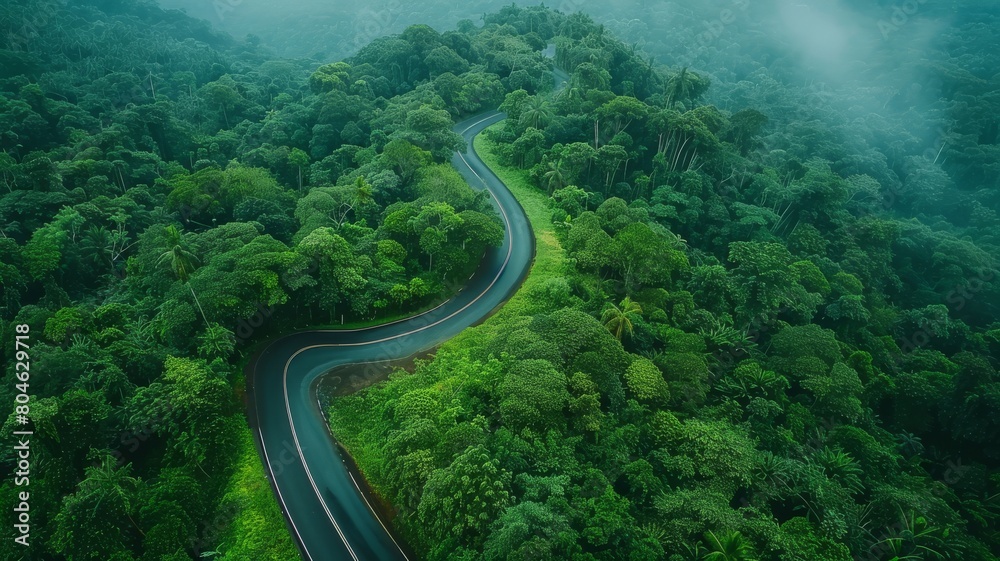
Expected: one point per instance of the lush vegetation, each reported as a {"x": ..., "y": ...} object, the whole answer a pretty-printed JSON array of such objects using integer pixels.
[
  {"x": 773, "y": 335},
  {"x": 172, "y": 197},
  {"x": 761, "y": 323}
]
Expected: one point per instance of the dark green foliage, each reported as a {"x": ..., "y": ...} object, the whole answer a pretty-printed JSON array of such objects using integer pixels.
[
  {"x": 793, "y": 368},
  {"x": 773, "y": 335},
  {"x": 160, "y": 197}
]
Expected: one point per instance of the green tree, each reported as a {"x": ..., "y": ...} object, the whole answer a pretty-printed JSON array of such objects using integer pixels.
[
  {"x": 432, "y": 224},
  {"x": 533, "y": 394},
  {"x": 87, "y": 526},
  {"x": 330, "y": 77},
  {"x": 463, "y": 499},
  {"x": 685, "y": 86},
  {"x": 730, "y": 546},
  {"x": 192, "y": 409},
  {"x": 405, "y": 157},
  {"x": 222, "y": 93},
  {"x": 646, "y": 382},
  {"x": 837, "y": 392},
  {"x": 644, "y": 256},
  {"x": 620, "y": 319},
  {"x": 619, "y": 113},
  {"x": 744, "y": 128},
  {"x": 216, "y": 341},
  {"x": 588, "y": 75},
  {"x": 299, "y": 159},
  {"x": 182, "y": 263},
  {"x": 529, "y": 530},
  {"x": 442, "y": 59},
  {"x": 585, "y": 405},
  {"x": 763, "y": 269}
]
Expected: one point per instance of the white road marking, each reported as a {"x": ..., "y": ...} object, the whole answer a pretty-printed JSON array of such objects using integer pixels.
[
  {"x": 375, "y": 514},
  {"x": 466, "y": 129},
  {"x": 284, "y": 507},
  {"x": 298, "y": 448}
]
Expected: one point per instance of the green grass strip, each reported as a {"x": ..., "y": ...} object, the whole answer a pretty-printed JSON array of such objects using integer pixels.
[{"x": 258, "y": 529}]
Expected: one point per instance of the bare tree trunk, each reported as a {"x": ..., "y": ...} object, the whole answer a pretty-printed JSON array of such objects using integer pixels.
[
  {"x": 939, "y": 153},
  {"x": 198, "y": 303}
]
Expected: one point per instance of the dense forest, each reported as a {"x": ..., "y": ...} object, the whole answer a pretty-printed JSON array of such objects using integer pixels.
[
  {"x": 761, "y": 324},
  {"x": 172, "y": 197}
]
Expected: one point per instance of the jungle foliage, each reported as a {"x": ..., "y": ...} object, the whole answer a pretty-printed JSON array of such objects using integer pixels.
[
  {"x": 762, "y": 322},
  {"x": 774, "y": 336}
]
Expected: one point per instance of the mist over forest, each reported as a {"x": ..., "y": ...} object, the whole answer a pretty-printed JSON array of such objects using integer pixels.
[
  {"x": 860, "y": 55},
  {"x": 760, "y": 323}
]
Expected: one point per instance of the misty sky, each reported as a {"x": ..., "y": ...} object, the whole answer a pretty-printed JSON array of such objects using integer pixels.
[
  {"x": 825, "y": 37},
  {"x": 299, "y": 21}
]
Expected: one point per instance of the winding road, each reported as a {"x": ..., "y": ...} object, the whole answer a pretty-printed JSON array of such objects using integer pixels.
[{"x": 327, "y": 513}]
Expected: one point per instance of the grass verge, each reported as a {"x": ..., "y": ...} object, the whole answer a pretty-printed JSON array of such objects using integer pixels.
[
  {"x": 550, "y": 258},
  {"x": 258, "y": 529}
]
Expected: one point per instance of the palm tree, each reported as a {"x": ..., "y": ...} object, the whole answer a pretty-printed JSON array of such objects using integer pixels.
[
  {"x": 108, "y": 379},
  {"x": 106, "y": 247},
  {"x": 773, "y": 470},
  {"x": 839, "y": 466},
  {"x": 139, "y": 333},
  {"x": 915, "y": 540},
  {"x": 107, "y": 481},
  {"x": 363, "y": 191},
  {"x": 95, "y": 242},
  {"x": 555, "y": 177},
  {"x": 909, "y": 444},
  {"x": 618, "y": 319},
  {"x": 181, "y": 262},
  {"x": 728, "y": 547},
  {"x": 192, "y": 448},
  {"x": 682, "y": 86},
  {"x": 218, "y": 339},
  {"x": 360, "y": 194},
  {"x": 537, "y": 113}
]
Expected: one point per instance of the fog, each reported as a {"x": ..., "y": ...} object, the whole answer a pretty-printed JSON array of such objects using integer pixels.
[
  {"x": 333, "y": 30},
  {"x": 850, "y": 55},
  {"x": 825, "y": 39}
]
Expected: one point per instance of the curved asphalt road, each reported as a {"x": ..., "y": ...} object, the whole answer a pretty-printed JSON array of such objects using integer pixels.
[{"x": 327, "y": 514}]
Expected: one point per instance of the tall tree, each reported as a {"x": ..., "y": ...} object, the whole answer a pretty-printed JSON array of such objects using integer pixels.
[
  {"x": 536, "y": 113},
  {"x": 619, "y": 319},
  {"x": 685, "y": 86},
  {"x": 182, "y": 263}
]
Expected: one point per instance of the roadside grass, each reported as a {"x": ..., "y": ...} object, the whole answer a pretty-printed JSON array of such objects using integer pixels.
[
  {"x": 258, "y": 530},
  {"x": 550, "y": 258},
  {"x": 550, "y": 262}
]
